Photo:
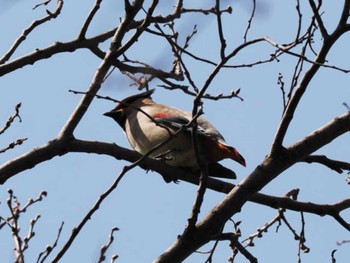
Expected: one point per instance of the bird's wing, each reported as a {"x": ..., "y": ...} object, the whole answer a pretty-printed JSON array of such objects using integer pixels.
[
  {"x": 210, "y": 139},
  {"x": 177, "y": 122}
]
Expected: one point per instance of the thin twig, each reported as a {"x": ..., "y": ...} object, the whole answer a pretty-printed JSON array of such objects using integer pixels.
[
  {"x": 302, "y": 239},
  {"x": 280, "y": 82},
  {"x": 13, "y": 144},
  {"x": 250, "y": 21},
  {"x": 234, "y": 243},
  {"x": 41, "y": 4},
  {"x": 12, "y": 118},
  {"x": 29, "y": 29},
  {"x": 220, "y": 29},
  {"x": 315, "y": 10},
  {"x": 95, "y": 207},
  {"x": 338, "y": 166},
  {"x": 49, "y": 249},
  {"x": 88, "y": 20},
  {"x": 105, "y": 247}
]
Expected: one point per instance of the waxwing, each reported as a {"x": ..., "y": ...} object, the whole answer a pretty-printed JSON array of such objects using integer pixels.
[{"x": 148, "y": 124}]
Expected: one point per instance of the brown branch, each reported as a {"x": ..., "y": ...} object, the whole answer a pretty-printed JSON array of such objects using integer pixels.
[
  {"x": 342, "y": 24},
  {"x": 302, "y": 239},
  {"x": 250, "y": 21},
  {"x": 335, "y": 165},
  {"x": 56, "y": 48},
  {"x": 234, "y": 243},
  {"x": 12, "y": 221},
  {"x": 261, "y": 176},
  {"x": 286, "y": 49},
  {"x": 88, "y": 20},
  {"x": 196, "y": 109},
  {"x": 319, "y": 20},
  {"x": 87, "y": 217},
  {"x": 102, "y": 197},
  {"x": 11, "y": 119},
  {"x": 239, "y": 194},
  {"x": 148, "y": 70},
  {"x": 13, "y": 144},
  {"x": 104, "y": 248},
  {"x": 279, "y": 218},
  {"x": 43, "y": 255},
  {"x": 202, "y": 186},
  {"x": 28, "y": 30},
  {"x": 58, "y": 148},
  {"x": 259, "y": 233},
  {"x": 208, "y": 11},
  {"x": 13, "y": 206},
  {"x": 300, "y": 17},
  {"x": 346, "y": 106},
  {"x": 71, "y": 46},
  {"x": 220, "y": 30},
  {"x": 308, "y": 76},
  {"x": 41, "y": 4},
  {"x": 30, "y": 234},
  {"x": 116, "y": 49},
  {"x": 280, "y": 82}
]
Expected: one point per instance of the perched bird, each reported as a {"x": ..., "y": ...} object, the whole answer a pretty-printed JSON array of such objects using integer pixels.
[{"x": 148, "y": 124}]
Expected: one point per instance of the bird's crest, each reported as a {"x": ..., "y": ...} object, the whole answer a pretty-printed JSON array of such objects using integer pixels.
[{"x": 129, "y": 100}]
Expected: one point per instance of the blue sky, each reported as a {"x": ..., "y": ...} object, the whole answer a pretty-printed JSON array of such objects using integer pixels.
[{"x": 148, "y": 212}]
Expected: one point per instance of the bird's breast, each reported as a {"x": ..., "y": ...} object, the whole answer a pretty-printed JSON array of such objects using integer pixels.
[{"x": 144, "y": 134}]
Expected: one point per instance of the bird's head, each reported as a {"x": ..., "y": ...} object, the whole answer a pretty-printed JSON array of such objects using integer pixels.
[{"x": 119, "y": 113}]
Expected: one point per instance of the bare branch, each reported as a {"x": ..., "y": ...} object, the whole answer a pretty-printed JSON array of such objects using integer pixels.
[
  {"x": 234, "y": 243},
  {"x": 116, "y": 49},
  {"x": 208, "y": 11},
  {"x": 293, "y": 103},
  {"x": 28, "y": 30},
  {"x": 12, "y": 221},
  {"x": 102, "y": 197},
  {"x": 302, "y": 239},
  {"x": 43, "y": 255},
  {"x": 264, "y": 229},
  {"x": 104, "y": 248},
  {"x": 202, "y": 187},
  {"x": 262, "y": 175},
  {"x": 220, "y": 30},
  {"x": 343, "y": 242},
  {"x": 300, "y": 17},
  {"x": 96, "y": 7},
  {"x": 13, "y": 206},
  {"x": 12, "y": 118},
  {"x": 13, "y": 144},
  {"x": 319, "y": 20},
  {"x": 250, "y": 21},
  {"x": 280, "y": 82},
  {"x": 335, "y": 165},
  {"x": 31, "y": 233},
  {"x": 346, "y": 106},
  {"x": 87, "y": 217},
  {"x": 41, "y": 4},
  {"x": 280, "y": 158}
]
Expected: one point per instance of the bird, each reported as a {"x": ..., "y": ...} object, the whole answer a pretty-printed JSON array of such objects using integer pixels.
[{"x": 148, "y": 124}]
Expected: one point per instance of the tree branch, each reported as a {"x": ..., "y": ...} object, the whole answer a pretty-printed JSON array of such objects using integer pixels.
[
  {"x": 96, "y": 7},
  {"x": 28, "y": 30},
  {"x": 335, "y": 165},
  {"x": 241, "y": 193},
  {"x": 304, "y": 83},
  {"x": 116, "y": 49}
]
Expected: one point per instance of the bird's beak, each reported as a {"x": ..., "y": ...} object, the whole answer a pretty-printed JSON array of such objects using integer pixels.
[
  {"x": 117, "y": 115},
  {"x": 110, "y": 113}
]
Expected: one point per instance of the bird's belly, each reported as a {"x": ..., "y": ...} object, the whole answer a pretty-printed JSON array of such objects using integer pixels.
[{"x": 173, "y": 152}]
